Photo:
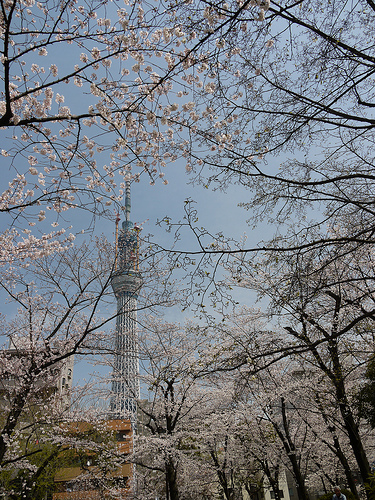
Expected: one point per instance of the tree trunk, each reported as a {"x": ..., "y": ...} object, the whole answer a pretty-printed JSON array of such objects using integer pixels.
[
  {"x": 171, "y": 480},
  {"x": 291, "y": 453},
  {"x": 347, "y": 415},
  {"x": 12, "y": 420},
  {"x": 338, "y": 451}
]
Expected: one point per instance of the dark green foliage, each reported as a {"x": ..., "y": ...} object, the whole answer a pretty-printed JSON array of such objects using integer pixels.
[
  {"x": 33, "y": 484},
  {"x": 370, "y": 486},
  {"x": 366, "y": 395},
  {"x": 37, "y": 482}
]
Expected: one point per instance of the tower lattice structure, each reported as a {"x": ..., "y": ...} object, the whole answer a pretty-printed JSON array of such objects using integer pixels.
[{"x": 126, "y": 282}]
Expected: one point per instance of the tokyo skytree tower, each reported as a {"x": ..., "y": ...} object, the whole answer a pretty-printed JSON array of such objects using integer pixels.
[{"x": 126, "y": 282}]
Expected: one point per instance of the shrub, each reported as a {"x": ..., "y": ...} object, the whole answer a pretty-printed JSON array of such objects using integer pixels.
[{"x": 328, "y": 496}]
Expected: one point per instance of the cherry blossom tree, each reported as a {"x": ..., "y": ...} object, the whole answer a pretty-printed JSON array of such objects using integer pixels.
[
  {"x": 112, "y": 96},
  {"x": 146, "y": 85},
  {"x": 288, "y": 418},
  {"x": 171, "y": 417},
  {"x": 277, "y": 89},
  {"x": 275, "y": 113},
  {"x": 224, "y": 446},
  {"x": 260, "y": 448},
  {"x": 322, "y": 311},
  {"x": 221, "y": 87},
  {"x": 56, "y": 304},
  {"x": 93, "y": 95},
  {"x": 246, "y": 402}
]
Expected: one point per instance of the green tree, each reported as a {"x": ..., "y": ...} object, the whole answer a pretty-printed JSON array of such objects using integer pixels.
[{"x": 37, "y": 480}]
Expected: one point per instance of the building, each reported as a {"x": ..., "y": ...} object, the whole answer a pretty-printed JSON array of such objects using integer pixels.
[
  {"x": 57, "y": 379},
  {"x": 287, "y": 491},
  {"x": 126, "y": 283},
  {"x": 90, "y": 480}
]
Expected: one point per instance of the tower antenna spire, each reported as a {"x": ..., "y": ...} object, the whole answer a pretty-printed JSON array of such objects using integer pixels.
[{"x": 127, "y": 201}]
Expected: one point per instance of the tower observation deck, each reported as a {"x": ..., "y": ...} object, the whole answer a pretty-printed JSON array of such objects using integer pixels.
[{"x": 126, "y": 282}]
